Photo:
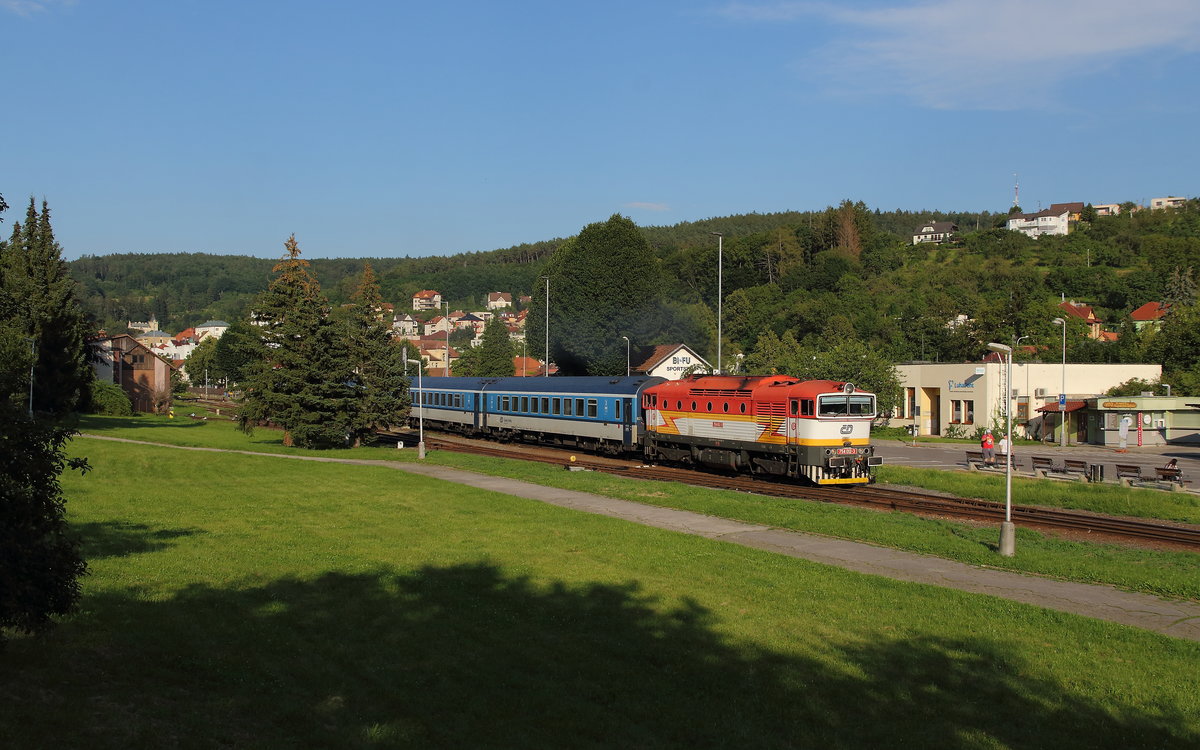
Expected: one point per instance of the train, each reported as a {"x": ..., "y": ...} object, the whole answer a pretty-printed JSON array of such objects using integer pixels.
[{"x": 814, "y": 431}]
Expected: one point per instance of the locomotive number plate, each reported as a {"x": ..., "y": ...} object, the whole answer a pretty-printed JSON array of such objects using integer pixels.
[{"x": 846, "y": 451}]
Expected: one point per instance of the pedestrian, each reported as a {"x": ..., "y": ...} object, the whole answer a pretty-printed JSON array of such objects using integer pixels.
[
  {"x": 1172, "y": 464},
  {"x": 1004, "y": 448},
  {"x": 988, "y": 444}
]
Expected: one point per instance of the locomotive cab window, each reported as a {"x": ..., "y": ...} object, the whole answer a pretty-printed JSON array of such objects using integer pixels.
[
  {"x": 806, "y": 407},
  {"x": 851, "y": 405},
  {"x": 795, "y": 407}
]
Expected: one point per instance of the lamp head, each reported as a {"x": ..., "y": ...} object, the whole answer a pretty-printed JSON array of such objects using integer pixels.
[
  {"x": 1002, "y": 348},
  {"x": 1059, "y": 322}
]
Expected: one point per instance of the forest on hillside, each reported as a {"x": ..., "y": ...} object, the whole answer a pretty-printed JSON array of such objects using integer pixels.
[{"x": 847, "y": 272}]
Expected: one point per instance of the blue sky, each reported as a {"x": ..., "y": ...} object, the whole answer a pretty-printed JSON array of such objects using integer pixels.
[{"x": 403, "y": 128}]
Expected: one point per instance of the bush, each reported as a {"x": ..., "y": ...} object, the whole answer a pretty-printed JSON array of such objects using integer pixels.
[{"x": 108, "y": 398}]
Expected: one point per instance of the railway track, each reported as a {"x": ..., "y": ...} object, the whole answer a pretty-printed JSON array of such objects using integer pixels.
[{"x": 1055, "y": 519}]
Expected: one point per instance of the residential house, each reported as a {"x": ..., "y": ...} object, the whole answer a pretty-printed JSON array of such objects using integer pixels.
[
  {"x": 123, "y": 360},
  {"x": 469, "y": 321},
  {"x": 1149, "y": 314},
  {"x": 426, "y": 299},
  {"x": 1087, "y": 315},
  {"x": 1054, "y": 220},
  {"x": 1107, "y": 209},
  {"x": 1168, "y": 202},
  {"x": 526, "y": 367},
  {"x": 404, "y": 325},
  {"x": 497, "y": 300},
  {"x": 154, "y": 338},
  {"x": 211, "y": 329},
  {"x": 934, "y": 231},
  {"x": 437, "y": 324}
]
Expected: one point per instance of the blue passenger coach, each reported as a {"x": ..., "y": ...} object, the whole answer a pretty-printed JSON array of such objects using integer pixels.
[{"x": 596, "y": 413}]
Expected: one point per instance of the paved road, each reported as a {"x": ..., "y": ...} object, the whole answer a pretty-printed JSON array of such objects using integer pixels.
[
  {"x": 953, "y": 456},
  {"x": 1175, "y": 618}
]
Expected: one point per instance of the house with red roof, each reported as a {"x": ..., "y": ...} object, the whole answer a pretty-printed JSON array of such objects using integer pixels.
[
  {"x": 1087, "y": 315},
  {"x": 426, "y": 299},
  {"x": 1149, "y": 314}
]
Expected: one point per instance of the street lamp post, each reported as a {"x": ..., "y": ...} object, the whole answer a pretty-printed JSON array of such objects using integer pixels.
[
  {"x": 626, "y": 355},
  {"x": 720, "y": 273},
  {"x": 420, "y": 409},
  {"x": 1008, "y": 532},
  {"x": 447, "y": 340},
  {"x": 1062, "y": 397},
  {"x": 546, "y": 367}
]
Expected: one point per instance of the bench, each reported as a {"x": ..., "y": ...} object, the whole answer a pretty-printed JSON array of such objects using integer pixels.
[
  {"x": 1129, "y": 473},
  {"x": 1077, "y": 466},
  {"x": 1169, "y": 475},
  {"x": 1000, "y": 457},
  {"x": 974, "y": 460},
  {"x": 1043, "y": 464}
]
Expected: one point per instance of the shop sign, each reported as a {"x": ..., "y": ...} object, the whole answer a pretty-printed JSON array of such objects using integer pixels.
[{"x": 1119, "y": 405}]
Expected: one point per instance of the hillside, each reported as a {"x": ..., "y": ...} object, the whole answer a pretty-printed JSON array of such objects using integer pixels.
[{"x": 845, "y": 272}]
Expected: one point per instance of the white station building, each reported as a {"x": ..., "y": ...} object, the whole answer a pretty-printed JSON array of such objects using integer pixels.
[{"x": 955, "y": 400}]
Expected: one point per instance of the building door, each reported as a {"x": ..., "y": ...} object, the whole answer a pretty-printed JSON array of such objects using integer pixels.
[{"x": 933, "y": 411}]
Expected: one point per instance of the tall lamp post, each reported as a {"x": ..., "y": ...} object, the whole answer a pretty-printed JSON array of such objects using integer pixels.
[
  {"x": 546, "y": 368},
  {"x": 420, "y": 409},
  {"x": 626, "y": 355},
  {"x": 447, "y": 303},
  {"x": 1008, "y": 532},
  {"x": 1062, "y": 396},
  {"x": 720, "y": 273}
]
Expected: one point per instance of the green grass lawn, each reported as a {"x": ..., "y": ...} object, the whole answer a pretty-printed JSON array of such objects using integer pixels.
[
  {"x": 253, "y": 602},
  {"x": 1166, "y": 573}
]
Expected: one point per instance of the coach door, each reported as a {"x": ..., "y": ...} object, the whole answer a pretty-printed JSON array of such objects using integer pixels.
[{"x": 625, "y": 405}]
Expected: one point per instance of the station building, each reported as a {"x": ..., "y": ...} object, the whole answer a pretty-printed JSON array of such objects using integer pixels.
[{"x": 957, "y": 399}]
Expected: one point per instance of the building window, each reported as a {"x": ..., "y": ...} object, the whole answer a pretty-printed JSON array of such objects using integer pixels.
[
  {"x": 968, "y": 412},
  {"x": 956, "y": 412},
  {"x": 911, "y": 401}
]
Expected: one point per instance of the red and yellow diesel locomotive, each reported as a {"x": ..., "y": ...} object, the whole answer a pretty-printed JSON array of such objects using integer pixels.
[{"x": 812, "y": 430}]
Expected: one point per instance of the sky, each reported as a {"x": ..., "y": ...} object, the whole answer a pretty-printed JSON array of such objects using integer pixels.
[{"x": 379, "y": 129}]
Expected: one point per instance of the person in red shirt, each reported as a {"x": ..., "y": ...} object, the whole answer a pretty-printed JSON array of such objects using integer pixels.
[{"x": 988, "y": 443}]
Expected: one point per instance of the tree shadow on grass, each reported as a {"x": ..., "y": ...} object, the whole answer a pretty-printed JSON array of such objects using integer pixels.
[
  {"x": 468, "y": 657},
  {"x": 89, "y": 423},
  {"x": 120, "y": 538}
]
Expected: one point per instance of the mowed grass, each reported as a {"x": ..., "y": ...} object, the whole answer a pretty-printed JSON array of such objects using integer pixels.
[
  {"x": 1165, "y": 573},
  {"x": 260, "y": 602}
]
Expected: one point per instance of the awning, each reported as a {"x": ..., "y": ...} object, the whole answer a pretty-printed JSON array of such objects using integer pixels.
[{"x": 1071, "y": 406}]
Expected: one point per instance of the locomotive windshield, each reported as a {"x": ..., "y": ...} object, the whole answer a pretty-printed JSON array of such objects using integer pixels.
[{"x": 849, "y": 405}]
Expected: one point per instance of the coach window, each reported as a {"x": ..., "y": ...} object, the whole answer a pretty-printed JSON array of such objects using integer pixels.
[
  {"x": 524, "y": 403},
  {"x": 591, "y": 404},
  {"x": 458, "y": 400},
  {"x": 567, "y": 410},
  {"x": 557, "y": 404},
  {"x": 618, "y": 409},
  {"x": 579, "y": 407},
  {"x": 533, "y": 405},
  {"x": 504, "y": 403},
  {"x": 545, "y": 405}
]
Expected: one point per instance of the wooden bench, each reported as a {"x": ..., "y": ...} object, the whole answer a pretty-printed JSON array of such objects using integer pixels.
[
  {"x": 1000, "y": 457},
  {"x": 1077, "y": 466},
  {"x": 1169, "y": 475},
  {"x": 974, "y": 460},
  {"x": 1043, "y": 464},
  {"x": 1129, "y": 473}
]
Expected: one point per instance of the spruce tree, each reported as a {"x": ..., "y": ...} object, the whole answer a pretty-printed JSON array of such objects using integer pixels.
[
  {"x": 378, "y": 362},
  {"x": 40, "y": 563},
  {"x": 306, "y": 382},
  {"x": 40, "y": 298}
]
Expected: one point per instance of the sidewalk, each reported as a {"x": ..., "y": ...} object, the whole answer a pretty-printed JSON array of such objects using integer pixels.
[{"x": 1173, "y": 618}]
